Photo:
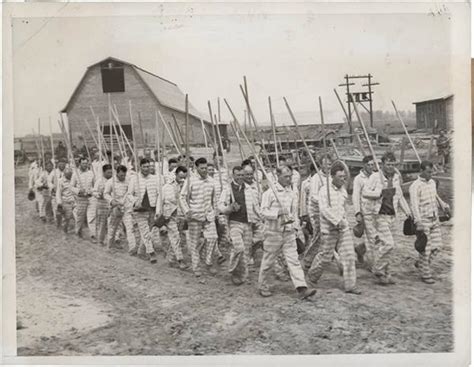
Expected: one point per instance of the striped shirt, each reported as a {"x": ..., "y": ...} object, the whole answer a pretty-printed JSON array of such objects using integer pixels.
[
  {"x": 41, "y": 180},
  {"x": 270, "y": 208},
  {"x": 251, "y": 203},
  {"x": 372, "y": 194},
  {"x": 359, "y": 182},
  {"x": 332, "y": 215},
  {"x": 200, "y": 198},
  {"x": 171, "y": 193},
  {"x": 99, "y": 188},
  {"x": 317, "y": 181},
  {"x": 424, "y": 199},
  {"x": 304, "y": 202},
  {"x": 65, "y": 193},
  {"x": 120, "y": 188},
  {"x": 85, "y": 181},
  {"x": 147, "y": 184}
]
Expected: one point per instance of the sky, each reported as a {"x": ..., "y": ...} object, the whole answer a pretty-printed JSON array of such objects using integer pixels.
[{"x": 300, "y": 57}]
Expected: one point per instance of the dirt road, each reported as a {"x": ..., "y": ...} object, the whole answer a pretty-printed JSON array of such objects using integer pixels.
[{"x": 76, "y": 298}]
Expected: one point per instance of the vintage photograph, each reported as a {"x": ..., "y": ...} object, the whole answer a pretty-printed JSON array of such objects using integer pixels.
[{"x": 219, "y": 182}]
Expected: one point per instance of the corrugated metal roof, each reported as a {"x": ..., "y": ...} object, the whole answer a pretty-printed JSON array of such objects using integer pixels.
[
  {"x": 167, "y": 93},
  {"x": 435, "y": 99}
]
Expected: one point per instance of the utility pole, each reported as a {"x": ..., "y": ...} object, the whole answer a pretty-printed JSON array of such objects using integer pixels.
[{"x": 361, "y": 97}]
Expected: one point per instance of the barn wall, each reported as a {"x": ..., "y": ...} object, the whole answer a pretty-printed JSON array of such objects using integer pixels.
[{"x": 143, "y": 107}]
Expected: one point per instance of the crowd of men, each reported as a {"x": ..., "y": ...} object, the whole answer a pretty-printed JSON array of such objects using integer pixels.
[{"x": 215, "y": 216}]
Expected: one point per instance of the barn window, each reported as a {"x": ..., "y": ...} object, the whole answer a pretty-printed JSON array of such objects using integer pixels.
[{"x": 113, "y": 80}]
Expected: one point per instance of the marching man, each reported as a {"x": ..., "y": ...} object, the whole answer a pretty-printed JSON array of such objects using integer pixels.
[
  {"x": 335, "y": 231},
  {"x": 359, "y": 182},
  {"x": 424, "y": 202},
  {"x": 280, "y": 234},
  {"x": 174, "y": 216},
  {"x": 82, "y": 183},
  {"x": 143, "y": 193},
  {"x": 66, "y": 199},
  {"x": 382, "y": 195},
  {"x": 198, "y": 201},
  {"x": 242, "y": 208},
  {"x": 44, "y": 192},
  {"x": 102, "y": 203}
]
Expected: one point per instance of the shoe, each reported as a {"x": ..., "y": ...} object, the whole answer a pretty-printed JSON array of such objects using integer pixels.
[
  {"x": 236, "y": 280},
  {"x": 182, "y": 265},
  {"x": 211, "y": 270},
  {"x": 221, "y": 260},
  {"x": 197, "y": 274},
  {"x": 265, "y": 293},
  {"x": 356, "y": 291},
  {"x": 385, "y": 280},
  {"x": 305, "y": 292},
  {"x": 93, "y": 239},
  {"x": 43, "y": 219},
  {"x": 152, "y": 257},
  {"x": 133, "y": 251},
  {"x": 428, "y": 280}
]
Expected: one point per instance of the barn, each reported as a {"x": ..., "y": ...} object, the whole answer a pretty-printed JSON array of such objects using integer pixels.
[
  {"x": 436, "y": 113},
  {"x": 127, "y": 83}
]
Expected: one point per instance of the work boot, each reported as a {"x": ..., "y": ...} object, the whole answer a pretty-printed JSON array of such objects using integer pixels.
[
  {"x": 93, "y": 239},
  {"x": 237, "y": 280},
  {"x": 197, "y": 273},
  {"x": 305, "y": 292},
  {"x": 265, "y": 292},
  {"x": 182, "y": 265},
  {"x": 428, "y": 280},
  {"x": 211, "y": 270},
  {"x": 152, "y": 257},
  {"x": 354, "y": 290},
  {"x": 133, "y": 251}
]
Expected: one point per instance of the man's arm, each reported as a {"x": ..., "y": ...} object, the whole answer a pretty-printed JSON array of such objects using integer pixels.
[
  {"x": 357, "y": 188},
  {"x": 327, "y": 212},
  {"x": 415, "y": 202},
  {"x": 373, "y": 188},
  {"x": 266, "y": 208}
]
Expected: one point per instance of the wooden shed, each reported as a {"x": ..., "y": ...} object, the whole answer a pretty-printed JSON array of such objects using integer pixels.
[
  {"x": 435, "y": 114},
  {"x": 125, "y": 83}
]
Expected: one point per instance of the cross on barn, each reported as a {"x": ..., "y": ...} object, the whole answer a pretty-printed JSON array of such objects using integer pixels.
[{"x": 147, "y": 92}]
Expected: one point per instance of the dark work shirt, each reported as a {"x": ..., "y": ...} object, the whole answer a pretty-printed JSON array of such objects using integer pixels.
[
  {"x": 239, "y": 196},
  {"x": 387, "y": 207}
]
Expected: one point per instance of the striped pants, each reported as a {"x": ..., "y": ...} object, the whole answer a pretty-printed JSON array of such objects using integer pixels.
[
  {"x": 142, "y": 219},
  {"x": 433, "y": 232},
  {"x": 330, "y": 239},
  {"x": 115, "y": 218},
  {"x": 82, "y": 210},
  {"x": 101, "y": 219},
  {"x": 240, "y": 238},
  {"x": 175, "y": 238},
  {"x": 66, "y": 213},
  {"x": 382, "y": 237},
  {"x": 195, "y": 230},
  {"x": 44, "y": 204},
  {"x": 314, "y": 243},
  {"x": 274, "y": 243}
]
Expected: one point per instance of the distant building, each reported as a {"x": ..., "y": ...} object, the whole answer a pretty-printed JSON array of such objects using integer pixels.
[
  {"x": 147, "y": 92},
  {"x": 436, "y": 114}
]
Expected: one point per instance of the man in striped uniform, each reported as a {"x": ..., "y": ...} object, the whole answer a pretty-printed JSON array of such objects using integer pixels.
[
  {"x": 280, "y": 218},
  {"x": 242, "y": 207},
  {"x": 143, "y": 192},
  {"x": 319, "y": 180},
  {"x": 222, "y": 225},
  {"x": 382, "y": 196},
  {"x": 82, "y": 184},
  {"x": 102, "y": 203},
  {"x": 174, "y": 216},
  {"x": 304, "y": 204},
  {"x": 115, "y": 193},
  {"x": 424, "y": 202},
  {"x": 198, "y": 201},
  {"x": 54, "y": 177},
  {"x": 44, "y": 193},
  {"x": 363, "y": 248},
  {"x": 65, "y": 197},
  {"x": 335, "y": 231},
  {"x": 170, "y": 173}
]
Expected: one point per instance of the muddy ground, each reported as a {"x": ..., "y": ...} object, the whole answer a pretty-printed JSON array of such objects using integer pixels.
[{"x": 77, "y": 298}]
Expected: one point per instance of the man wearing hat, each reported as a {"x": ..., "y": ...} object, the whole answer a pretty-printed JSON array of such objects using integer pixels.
[{"x": 424, "y": 202}]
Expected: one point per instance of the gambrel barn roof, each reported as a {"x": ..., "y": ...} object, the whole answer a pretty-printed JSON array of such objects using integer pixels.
[{"x": 165, "y": 92}]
